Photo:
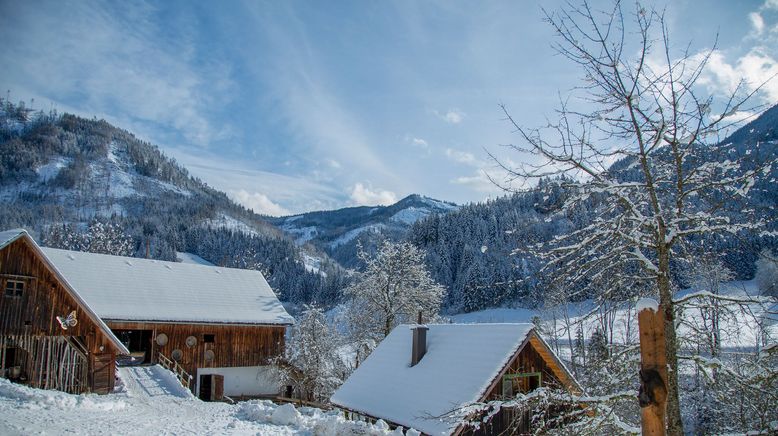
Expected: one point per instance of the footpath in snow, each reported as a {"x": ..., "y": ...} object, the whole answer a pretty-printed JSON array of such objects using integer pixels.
[{"x": 149, "y": 400}]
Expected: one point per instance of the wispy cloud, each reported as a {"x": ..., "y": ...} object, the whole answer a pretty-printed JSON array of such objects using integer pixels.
[
  {"x": 149, "y": 77},
  {"x": 463, "y": 157},
  {"x": 479, "y": 181},
  {"x": 419, "y": 142},
  {"x": 264, "y": 191},
  {"x": 757, "y": 22},
  {"x": 451, "y": 116}
]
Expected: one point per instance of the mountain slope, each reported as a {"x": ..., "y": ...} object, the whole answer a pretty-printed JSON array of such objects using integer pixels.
[
  {"x": 338, "y": 232},
  {"x": 482, "y": 252},
  {"x": 60, "y": 173}
]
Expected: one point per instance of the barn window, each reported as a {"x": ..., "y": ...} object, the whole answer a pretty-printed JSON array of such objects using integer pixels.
[
  {"x": 513, "y": 384},
  {"x": 14, "y": 288},
  {"x": 208, "y": 339}
]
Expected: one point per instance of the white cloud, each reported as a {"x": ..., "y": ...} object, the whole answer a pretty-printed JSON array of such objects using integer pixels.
[
  {"x": 770, "y": 4},
  {"x": 419, "y": 142},
  {"x": 757, "y": 22},
  {"x": 477, "y": 182},
  {"x": 333, "y": 163},
  {"x": 462, "y": 157},
  {"x": 757, "y": 67},
  {"x": 452, "y": 116},
  {"x": 295, "y": 194},
  {"x": 258, "y": 202},
  {"x": 362, "y": 195}
]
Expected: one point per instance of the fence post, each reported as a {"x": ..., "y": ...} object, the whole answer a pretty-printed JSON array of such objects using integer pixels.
[{"x": 653, "y": 367}]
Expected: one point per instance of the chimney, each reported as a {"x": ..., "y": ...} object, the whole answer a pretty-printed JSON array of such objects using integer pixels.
[{"x": 419, "y": 346}]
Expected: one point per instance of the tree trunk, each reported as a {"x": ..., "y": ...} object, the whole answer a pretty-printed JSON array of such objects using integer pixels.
[{"x": 674, "y": 421}]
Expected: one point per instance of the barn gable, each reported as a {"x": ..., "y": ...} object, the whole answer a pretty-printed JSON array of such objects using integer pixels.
[{"x": 49, "y": 336}]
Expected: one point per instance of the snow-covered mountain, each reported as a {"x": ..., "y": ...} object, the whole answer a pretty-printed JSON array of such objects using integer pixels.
[
  {"x": 59, "y": 173},
  {"x": 337, "y": 232}
]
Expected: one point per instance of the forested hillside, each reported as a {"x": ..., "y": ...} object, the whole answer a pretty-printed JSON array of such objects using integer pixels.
[
  {"x": 483, "y": 252},
  {"x": 61, "y": 174}
]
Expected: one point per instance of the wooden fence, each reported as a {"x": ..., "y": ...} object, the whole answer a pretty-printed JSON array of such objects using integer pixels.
[{"x": 184, "y": 377}]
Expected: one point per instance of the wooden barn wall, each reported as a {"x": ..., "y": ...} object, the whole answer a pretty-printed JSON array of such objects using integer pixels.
[
  {"x": 233, "y": 345},
  {"x": 30, "y": 319}
]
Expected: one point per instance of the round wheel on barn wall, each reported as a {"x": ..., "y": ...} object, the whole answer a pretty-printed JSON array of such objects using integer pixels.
[
  {"x": 209, "y": 355},
  {"x": 191, "y": 341},
  {"x": 177, "y": 355},
  {"x": 161, "y": 339}
]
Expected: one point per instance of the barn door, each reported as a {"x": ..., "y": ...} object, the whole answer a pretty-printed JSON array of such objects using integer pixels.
[
  {"x": 103, "y": 369},
  {"x": 211, "y": 387}
]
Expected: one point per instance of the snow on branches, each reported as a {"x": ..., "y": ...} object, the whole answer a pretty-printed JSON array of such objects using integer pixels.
[
  {"x": 311, "y": 363},
  {"x": 646, "y": 144},
  {"x": 393, "y": 289}
]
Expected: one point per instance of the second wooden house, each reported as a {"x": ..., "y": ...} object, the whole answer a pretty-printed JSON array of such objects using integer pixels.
[{"x": 420, "y": 376}]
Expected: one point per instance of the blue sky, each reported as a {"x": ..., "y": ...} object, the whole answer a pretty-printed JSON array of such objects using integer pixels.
[{"x": 291, "y": 106}]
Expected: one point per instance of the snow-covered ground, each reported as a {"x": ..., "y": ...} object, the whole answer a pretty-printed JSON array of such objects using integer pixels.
[
  {"x": 151, "y": 401},
  {"x": 313, "y": 264},
  {"x": 351, "y": 234},
  {"x": 224, "y": 221},
  {"x": 191, "y": 258}
]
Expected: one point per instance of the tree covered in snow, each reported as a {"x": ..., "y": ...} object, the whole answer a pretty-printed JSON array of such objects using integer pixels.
[
  {"x": 394, "y": 287},
  {"x": 674, "y": 180},
  {"x": 102, "y": 237},
  {"x": 311, "y": 364}
]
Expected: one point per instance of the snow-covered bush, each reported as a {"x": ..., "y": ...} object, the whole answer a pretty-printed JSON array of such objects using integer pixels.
[{"x": 311, "y": 364}]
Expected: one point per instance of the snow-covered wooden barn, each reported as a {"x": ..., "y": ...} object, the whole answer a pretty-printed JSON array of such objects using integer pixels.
[
  {"x": 50, "y": 337},
  {"x": 418, "y": 375},
  {"x": 219, "y": 327}
]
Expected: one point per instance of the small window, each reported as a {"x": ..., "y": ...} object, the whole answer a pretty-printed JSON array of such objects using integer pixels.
[
  {"x": 208, "y": 339},
  {"x": 14, "y": 288}
]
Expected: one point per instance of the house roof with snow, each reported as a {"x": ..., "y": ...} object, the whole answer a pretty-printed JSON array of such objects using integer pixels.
[
  {"x": 460, "y": 366},
  {"x": 9, "y": 236},
  {"x": 131, "y": 289}
]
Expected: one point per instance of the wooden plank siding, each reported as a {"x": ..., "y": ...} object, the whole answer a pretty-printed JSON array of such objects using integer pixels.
[
  {"x": 232, "y": 346},
  {"x": 28, "y": 324},
  {"x": 532, "y": 357}
]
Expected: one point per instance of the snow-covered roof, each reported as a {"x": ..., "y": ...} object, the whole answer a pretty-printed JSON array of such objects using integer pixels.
[
  {"x": 461, "y": 362},
  {"x": 10, "y": 236},
  {"x": 132, "y": 289}
]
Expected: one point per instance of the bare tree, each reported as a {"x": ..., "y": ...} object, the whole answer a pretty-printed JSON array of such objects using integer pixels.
[{"x": 642, "y": 109}]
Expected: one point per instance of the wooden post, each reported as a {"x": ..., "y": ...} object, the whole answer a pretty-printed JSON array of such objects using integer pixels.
[{"x": 653, "y": 367}]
